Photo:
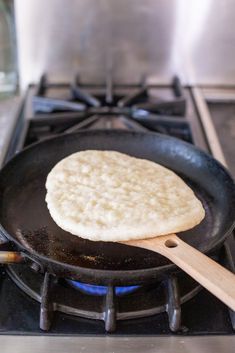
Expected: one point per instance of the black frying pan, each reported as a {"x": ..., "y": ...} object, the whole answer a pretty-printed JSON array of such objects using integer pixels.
[{"x": 25, "y": 219}]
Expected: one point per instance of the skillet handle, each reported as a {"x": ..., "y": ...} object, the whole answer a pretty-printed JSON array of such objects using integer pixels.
[
  {"x": 204, "y": 270},
  {"x": 10, "y": 257}
]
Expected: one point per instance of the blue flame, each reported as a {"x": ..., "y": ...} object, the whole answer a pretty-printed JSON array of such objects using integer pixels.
[{"x": 92, "y": 289}]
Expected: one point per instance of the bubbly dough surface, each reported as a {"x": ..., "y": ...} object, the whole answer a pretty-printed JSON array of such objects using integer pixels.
[{"x": 111, "y": 196}]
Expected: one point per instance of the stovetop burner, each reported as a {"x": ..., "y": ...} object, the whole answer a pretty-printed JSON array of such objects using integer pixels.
[
  {"x": 110, "y": 304},
  {"x": 175, "y": 304},
  {"x": 92, "y": 289}
]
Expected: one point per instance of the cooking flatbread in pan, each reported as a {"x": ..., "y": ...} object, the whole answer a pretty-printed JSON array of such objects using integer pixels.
[{"x": 111, "y": 196}]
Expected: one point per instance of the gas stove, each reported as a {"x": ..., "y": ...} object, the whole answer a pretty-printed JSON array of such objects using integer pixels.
[{"x": 39, "y": 304}]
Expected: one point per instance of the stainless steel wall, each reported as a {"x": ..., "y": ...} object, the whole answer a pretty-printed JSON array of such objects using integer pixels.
[{"x": 193, "y": 38}]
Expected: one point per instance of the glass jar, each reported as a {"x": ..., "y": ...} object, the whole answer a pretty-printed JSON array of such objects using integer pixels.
[{"x": 8, "y": 56}]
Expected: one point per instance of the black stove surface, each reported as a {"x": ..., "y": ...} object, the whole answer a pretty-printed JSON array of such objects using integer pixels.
[{"x": 51, "y": 109}]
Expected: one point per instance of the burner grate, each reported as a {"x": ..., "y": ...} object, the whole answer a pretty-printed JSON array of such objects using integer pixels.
[
  {"x": 80, "y": 100},
  {"x": 148, "y": 300},
  {"x": 91, "y": 107}
]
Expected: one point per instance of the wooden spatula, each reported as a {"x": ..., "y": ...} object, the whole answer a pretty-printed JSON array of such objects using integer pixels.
[{"x": 205, "y": 271}]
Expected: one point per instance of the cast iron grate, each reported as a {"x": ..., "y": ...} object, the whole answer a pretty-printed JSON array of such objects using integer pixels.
[
  {"x": 56, "y": 294},
  {"x": 87, "y": 106}
]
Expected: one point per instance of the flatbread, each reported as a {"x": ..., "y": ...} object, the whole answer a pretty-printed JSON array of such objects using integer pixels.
[{"x": 110, "y": 196}]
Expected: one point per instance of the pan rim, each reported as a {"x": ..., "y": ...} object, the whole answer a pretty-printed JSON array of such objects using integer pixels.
[
  {"x": 131, "y": 273},
  {"x": 101, "y": 272},
  {"x": 117, "y": 131}
]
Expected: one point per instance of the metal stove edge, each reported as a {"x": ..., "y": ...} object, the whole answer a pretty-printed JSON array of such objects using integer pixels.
[{"x": 107, "y": 344}]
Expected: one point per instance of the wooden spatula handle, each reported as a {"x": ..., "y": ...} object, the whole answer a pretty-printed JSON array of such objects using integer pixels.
[{"x": 204, "y": 270}]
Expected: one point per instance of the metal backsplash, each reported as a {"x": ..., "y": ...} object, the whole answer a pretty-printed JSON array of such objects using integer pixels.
[{"x": 193, "y": 38}]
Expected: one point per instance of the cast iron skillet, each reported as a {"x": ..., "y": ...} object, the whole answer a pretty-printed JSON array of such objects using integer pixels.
[{"x": 25, "y": 219}]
